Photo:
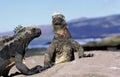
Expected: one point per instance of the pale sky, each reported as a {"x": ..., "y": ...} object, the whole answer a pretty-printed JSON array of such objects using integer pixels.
[{"x": 39, "y": 12}]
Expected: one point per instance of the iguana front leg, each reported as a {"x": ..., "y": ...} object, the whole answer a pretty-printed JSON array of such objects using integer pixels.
[
  {"x": 49, "y": 56},
  {"x": 23, "y": 68},
  {"x": 77, "y": 47}
]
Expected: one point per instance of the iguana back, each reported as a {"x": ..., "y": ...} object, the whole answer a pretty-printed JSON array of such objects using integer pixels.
[{"x": 4, "y": 40}]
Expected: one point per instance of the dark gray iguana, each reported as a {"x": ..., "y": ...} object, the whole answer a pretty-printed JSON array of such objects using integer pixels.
[
  {"x": 62, "y": 47},
  {"x": 12, "y": 50}
]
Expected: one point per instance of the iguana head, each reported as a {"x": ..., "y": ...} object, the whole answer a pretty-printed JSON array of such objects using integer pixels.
[
  {"x": 27, "y": 32},
  {"x": 60, "y": 27},
  {"x": 58, "y": 21}
]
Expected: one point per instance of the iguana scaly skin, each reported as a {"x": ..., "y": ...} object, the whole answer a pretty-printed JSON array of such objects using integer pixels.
[
  {"x": 13, "y": 49},
  {"x": 63, "y": 46}
]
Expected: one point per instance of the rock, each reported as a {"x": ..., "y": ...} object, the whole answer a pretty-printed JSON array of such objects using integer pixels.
[{"x": 103, "y": 64}]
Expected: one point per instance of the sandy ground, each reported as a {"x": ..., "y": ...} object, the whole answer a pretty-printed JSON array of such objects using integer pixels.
[{"x": 103, "y": 64}]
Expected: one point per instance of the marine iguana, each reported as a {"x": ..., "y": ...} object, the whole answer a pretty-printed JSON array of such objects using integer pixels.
[
  {"x": 63, "y": 46},
  {"x": 13, "y": 49}
]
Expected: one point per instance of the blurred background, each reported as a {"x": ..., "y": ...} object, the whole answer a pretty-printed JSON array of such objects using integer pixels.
[{"x": 95, "y": 24}]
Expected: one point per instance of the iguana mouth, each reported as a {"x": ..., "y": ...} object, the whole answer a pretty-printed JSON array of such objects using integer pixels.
[
  {"x": 57, "y": 21},
  {"x": 38, "y": 33}
]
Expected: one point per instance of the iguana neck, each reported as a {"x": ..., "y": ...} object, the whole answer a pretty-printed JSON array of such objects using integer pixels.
[
  {"x": 23, "y": 40},
  {"x": 62, "y": 34}
]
